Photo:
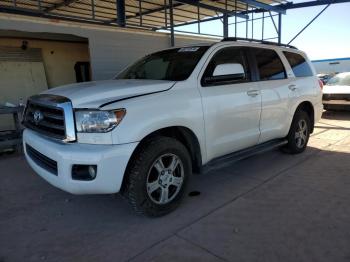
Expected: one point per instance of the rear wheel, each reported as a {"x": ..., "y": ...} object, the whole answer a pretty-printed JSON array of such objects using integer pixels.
[
  {"x": 158, "y": 176},
  {"x": 299, "y": 133}
]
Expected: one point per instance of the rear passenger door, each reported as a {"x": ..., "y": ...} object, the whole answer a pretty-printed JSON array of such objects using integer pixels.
[
  {"x": 276, "y": 90},
  {"x": 231, "y": 102},
  {"x": 304, "y": 81}
]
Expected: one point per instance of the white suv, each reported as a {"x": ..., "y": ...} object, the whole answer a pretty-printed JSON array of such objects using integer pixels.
[{"x": 169, "y": 114}]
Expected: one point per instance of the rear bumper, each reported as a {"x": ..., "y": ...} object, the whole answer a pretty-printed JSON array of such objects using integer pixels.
[
  {"x": 111, "y": 161},
  {"x": 318, "y": 108}
]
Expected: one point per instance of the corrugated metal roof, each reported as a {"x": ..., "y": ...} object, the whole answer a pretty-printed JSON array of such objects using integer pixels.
[{"x": 149, "y": 14}]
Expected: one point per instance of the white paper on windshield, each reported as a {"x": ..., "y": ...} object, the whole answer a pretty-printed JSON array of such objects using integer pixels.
[{"x": 188, "y": 49}]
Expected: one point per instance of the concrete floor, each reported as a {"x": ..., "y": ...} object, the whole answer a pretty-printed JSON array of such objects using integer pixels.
[{"x": 270, "y": 207}]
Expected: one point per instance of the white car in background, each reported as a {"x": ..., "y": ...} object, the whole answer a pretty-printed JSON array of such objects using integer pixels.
[
  {"x": 171, "y": 113},
  {"x": 336, "y": 93}
]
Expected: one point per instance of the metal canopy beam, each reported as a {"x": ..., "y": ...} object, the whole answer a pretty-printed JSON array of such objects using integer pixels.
[
  {"x": 57, "y": 6},
  {"x": 266, "y": 7},
  {"x": 178, "y": 5},
  {"x": 302, "y": 30},
  {"x": 197, "y": 3},
  {"x": 38, "y": 13},
  {"x": 284, "y": 6},
  {"x": 314, "y": 3},
  {"x": 292, "y": 5},
  {"x": 159, "y": 9}
]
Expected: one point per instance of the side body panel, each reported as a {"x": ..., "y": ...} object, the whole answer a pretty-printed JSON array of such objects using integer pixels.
[{"x": 179, "y": 106}]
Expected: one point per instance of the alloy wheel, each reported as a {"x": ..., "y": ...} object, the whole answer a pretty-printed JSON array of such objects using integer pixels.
[
  {"x": 165, "y": 179},
  {"x": 301, "y": 134}
]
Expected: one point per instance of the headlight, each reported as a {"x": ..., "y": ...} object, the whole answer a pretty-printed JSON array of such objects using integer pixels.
[{"x": 96, "y": 121}]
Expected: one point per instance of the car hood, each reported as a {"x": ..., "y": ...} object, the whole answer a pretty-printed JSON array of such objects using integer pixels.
[
  {"x": 96, "y": 93},
  {"x": 336, "y": 89}
]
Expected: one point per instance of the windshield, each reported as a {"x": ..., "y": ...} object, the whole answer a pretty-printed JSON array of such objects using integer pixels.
[
  {"x": 175, "y": 64},
  {"x": 342, "y": 79}
]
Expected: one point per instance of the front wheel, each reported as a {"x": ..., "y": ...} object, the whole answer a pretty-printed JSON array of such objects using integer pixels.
[
  {"x": 299, "y": 133},
  {"x": 157, "y": 176}
]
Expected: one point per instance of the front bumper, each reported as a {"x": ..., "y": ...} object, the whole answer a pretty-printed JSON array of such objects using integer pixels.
[
  {"x": 336, "y": 102},
  {"x": 111, "y": 161},
  {"x": 337, "y": 99}
]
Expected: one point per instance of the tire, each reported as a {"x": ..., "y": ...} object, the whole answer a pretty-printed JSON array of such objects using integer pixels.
[
  {"x": 154, "y": 187},
  {"x": 299, "y": 133}
]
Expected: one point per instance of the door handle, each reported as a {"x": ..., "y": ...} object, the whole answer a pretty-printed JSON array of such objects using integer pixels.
[
  {"x": 253, "y": 93},
  {"x": 292, "y": 87}
]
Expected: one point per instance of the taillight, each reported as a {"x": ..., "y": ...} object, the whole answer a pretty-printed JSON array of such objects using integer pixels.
[{"x": 320, "y": 83}]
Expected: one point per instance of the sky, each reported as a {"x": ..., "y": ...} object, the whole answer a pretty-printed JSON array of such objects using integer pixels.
[{"x": 327, "y": 37}]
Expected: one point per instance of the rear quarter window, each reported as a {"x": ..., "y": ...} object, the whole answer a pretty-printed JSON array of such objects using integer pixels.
[{"x": 298, "y": 64}]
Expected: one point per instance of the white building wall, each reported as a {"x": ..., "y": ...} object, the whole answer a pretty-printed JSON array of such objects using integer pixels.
[
  {"x": 111, "y": 49},
  {"x": 336, "y": 65}
]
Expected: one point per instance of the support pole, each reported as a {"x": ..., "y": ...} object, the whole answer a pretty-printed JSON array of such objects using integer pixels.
[
  {"x": 279, "y": 28},
  {"x": 121, "y": 13},
  {"x": 252, "y": 25},
  {"x": 165, "y": 13},
  {"x": 93, "y": 9},
  {"x": 199, "y": 19},
  {"x": 225, "y": 25},
  {"x": 225, "y": 21},
  {"x": 140, "y": 12},
  {"x": 235, "y": 18},
  {"x": 263, "y": 24},
  {"x": 172, "y": 36},
  {"x": 246, "y": 24}
]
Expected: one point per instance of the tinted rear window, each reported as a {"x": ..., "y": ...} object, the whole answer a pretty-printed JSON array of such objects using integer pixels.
[
  {"x": 269, "y": 64},
  {"x": 298, "y": 64}
]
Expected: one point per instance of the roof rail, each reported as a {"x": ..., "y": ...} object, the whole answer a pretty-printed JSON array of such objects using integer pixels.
[{"x": 256, "y": 41}]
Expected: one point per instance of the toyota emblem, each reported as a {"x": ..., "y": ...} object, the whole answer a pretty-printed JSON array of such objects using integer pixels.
[{"x": 37, "y": 116}]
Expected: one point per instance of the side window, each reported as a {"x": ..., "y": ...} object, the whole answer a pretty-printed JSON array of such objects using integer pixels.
[
  {"x": 227, "y": 66},
  {"x": 298, "y": 64},
  {"x": 269, "y": 64}
]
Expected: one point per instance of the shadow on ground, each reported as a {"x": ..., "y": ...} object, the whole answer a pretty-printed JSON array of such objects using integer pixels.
[{"x": 270, "y": 207}]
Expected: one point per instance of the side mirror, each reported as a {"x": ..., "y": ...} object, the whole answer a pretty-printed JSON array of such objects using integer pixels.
[
  {"x": 228, "y": 69},
  {"x": 226, "y": 73}
]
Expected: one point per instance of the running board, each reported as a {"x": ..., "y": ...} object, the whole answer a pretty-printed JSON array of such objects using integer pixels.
[{"x": 242, "y": 154}]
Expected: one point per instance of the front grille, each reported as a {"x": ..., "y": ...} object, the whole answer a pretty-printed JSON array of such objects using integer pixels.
[
  {"x": 42, "y": 160},
  {"x": 52, "y": 122},
  {"x": 52, "y": 116},
  {"x": 336, "y": 97}
]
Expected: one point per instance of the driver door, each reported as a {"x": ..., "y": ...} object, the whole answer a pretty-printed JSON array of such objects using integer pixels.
[{"x": 231, "y": 102}]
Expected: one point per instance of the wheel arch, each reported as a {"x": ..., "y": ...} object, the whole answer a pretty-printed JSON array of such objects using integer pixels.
[
  {"x": 184, "y": 135},
  {"x": 307, "y": 107}
]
